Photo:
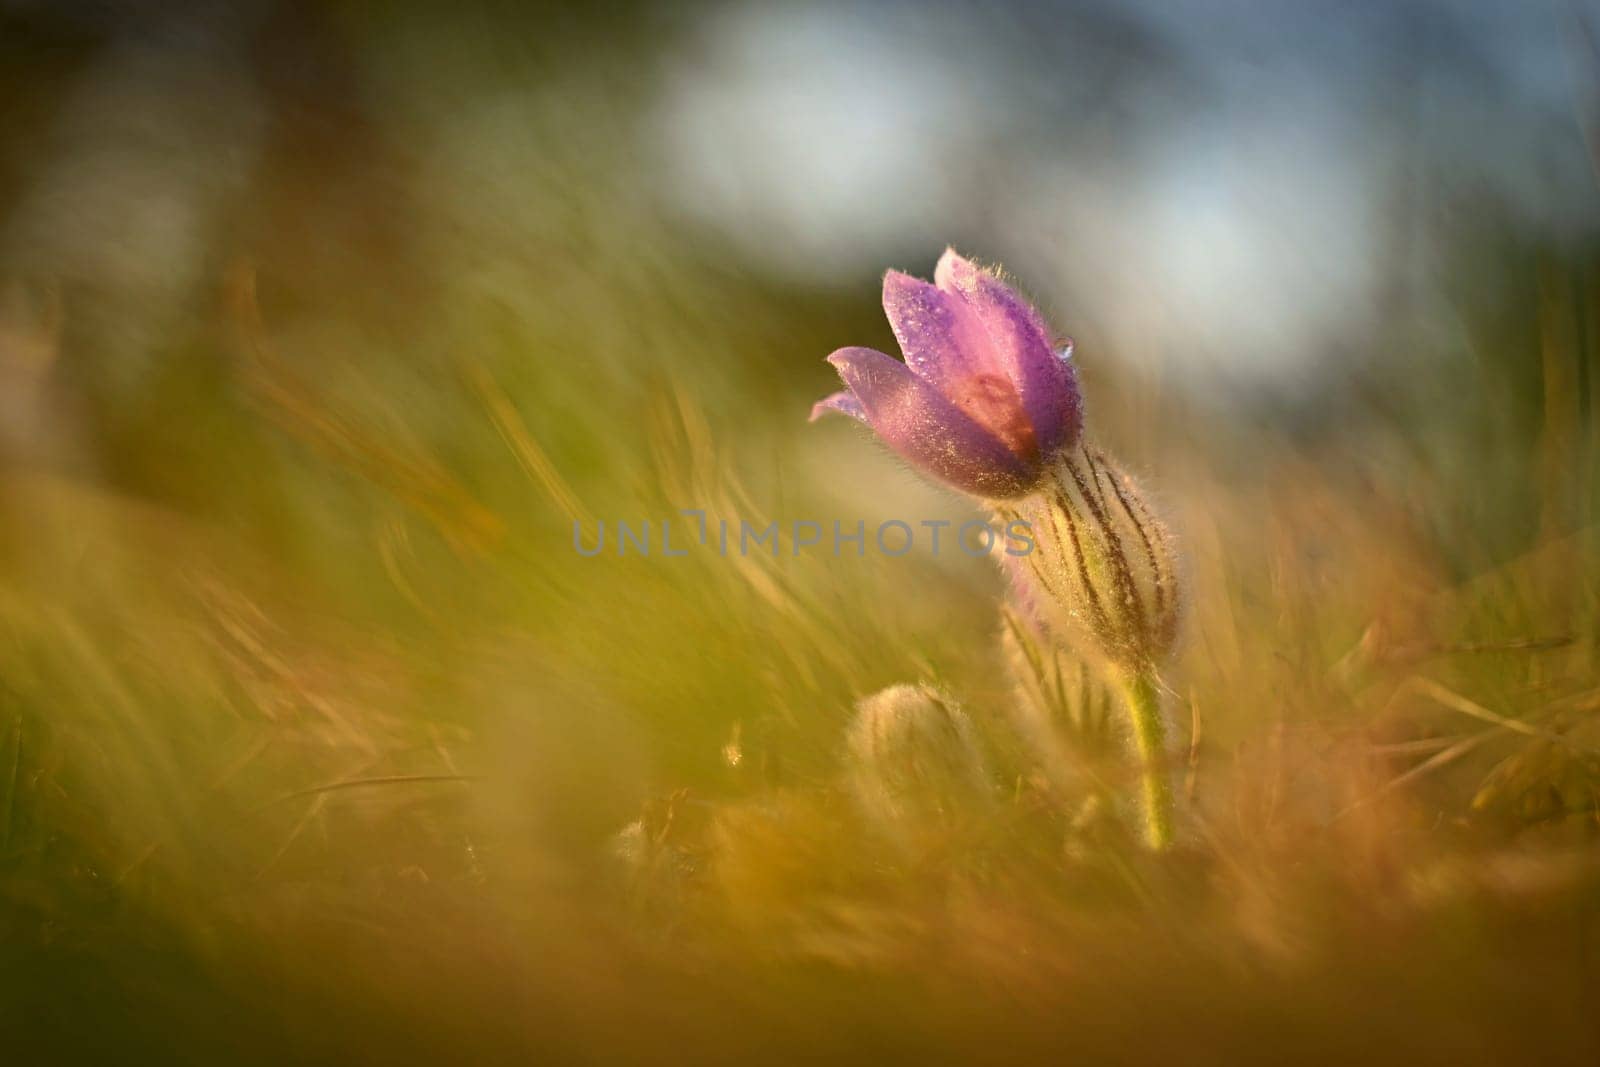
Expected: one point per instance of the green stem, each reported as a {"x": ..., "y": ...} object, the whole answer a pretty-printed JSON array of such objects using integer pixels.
[{"x": 1150, "y": 735}]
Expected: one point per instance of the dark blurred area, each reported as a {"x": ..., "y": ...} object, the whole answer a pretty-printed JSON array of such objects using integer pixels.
[{"x": 1284, "y": 211}]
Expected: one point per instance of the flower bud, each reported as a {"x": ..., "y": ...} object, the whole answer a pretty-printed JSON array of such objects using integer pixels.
[
  {"x": 914, "y": 760},
  {"x": 1102, "y": 574}
]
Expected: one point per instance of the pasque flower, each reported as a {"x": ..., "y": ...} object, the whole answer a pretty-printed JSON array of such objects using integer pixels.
[{"x": 983, "y": 402}]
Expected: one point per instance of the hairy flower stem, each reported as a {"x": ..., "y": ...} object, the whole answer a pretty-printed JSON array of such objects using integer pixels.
[{"x": 1143, "y": 698}]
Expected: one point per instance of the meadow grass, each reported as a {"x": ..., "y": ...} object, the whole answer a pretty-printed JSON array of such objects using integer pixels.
[{"x": 319, "y": 738}]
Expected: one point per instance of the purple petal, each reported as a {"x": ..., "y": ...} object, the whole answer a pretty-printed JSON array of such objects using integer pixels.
[
  {"x": 844, "y": 402},
  {"x": 1021, "y": 344},
  {"x": 946, "y": 344},
  {"x": 942, "y": 339},
  {"x": 914, "y": 418}
]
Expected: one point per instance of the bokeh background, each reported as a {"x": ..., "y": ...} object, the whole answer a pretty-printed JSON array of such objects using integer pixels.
[{"x": 321, "y": 325}]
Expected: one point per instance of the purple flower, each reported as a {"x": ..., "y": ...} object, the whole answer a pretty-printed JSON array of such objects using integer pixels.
[{"x": 982, "y": 401}]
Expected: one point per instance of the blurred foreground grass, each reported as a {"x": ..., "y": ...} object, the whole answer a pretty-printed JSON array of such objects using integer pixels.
[{"x": 318, "y": 740}]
